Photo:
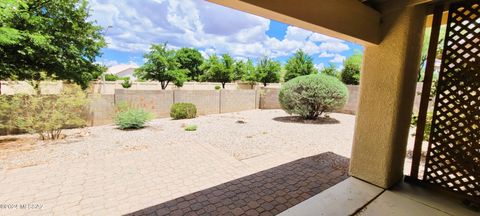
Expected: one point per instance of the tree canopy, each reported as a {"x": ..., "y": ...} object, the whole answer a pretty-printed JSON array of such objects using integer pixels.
[
  {"x": 190, "y": 59},
  {"x": 330, "y": 70},
  {"x": 298, "y": 65},
  {"x": 53, "y": 37},
  {"x": 219, "y": 69},
  {"x": 351, "y": 69},
  {"x": 162, "y": 66},
  {"x": 268, "y": 71},
  {"x": 250, "y": 73}
]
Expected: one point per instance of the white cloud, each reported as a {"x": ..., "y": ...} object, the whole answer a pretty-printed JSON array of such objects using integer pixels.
[
  {"x": 206, "y": 26},
  {"x": 338, "y": 59},
  {"x": 107, "y": 62},
  {"x": 326, "y": 55},
  {"x": 323, "y": 38},
  {"x": 320, "y": 66}
]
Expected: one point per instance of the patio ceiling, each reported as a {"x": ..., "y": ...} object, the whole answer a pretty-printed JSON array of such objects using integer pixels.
[
  {"x": 353, "y": 20},
  {"x": 345, "y": 19}
]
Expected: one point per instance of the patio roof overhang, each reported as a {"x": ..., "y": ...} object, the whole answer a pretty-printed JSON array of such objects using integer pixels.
[
  {"x": 353, "y": 20},
  {"x": 345, "y": 19}
]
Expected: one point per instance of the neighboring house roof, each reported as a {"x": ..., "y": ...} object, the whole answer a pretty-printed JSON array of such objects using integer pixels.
[{"x": 120, "y": 68}]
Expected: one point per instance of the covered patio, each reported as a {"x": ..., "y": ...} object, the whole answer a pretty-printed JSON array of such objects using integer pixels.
[{"x": 392, "y": 33}]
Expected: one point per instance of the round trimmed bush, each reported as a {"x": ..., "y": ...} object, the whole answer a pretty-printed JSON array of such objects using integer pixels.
[
  {"x": 312, "y": 95},
  {"x": 183, "y": 111}
]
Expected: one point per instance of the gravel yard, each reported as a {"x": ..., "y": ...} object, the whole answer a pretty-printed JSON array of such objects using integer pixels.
[{"x": 243, "y": 135}]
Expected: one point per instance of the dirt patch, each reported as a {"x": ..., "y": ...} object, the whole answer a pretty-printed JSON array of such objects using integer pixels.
[{"x": 8, "y": 144}]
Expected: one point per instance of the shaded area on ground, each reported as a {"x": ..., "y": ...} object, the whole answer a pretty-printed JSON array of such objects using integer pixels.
[
  {"x": 298, "y": 119},
  {"x": 267, "y": 192}
]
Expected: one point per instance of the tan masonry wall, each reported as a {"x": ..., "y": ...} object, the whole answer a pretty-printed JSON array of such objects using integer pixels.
[
  {"x": 102, "y": 108},
  {"x": 269, "y": 99}
]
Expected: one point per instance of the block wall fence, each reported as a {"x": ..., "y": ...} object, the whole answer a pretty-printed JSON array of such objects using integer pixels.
[{"x": 102, "y": 107}]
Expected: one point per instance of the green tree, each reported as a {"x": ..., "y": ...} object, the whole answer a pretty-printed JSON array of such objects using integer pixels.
[
  {"x": 54, "y": 37},
  {"x": 351, "y": 69},
  {"x": 239, "y": 69},
  {"x": 162, "y": 66},
  {"x": 250, "y": 74},
  {"x": 190, "y": 59},
  {"x": 219, "y": 70},
  {"x": 330, "y": 70},
  {"x": 426, "y": 44},
  {"x": 268, "y": 71},
  {"x": 298, "y": 65}
]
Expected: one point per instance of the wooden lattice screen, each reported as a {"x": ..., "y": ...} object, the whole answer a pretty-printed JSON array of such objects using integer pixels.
[{"x": 453, "y": 157}]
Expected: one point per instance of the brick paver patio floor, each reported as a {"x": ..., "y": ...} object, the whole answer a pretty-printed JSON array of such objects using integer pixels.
[{"x": 267, "y": 192}]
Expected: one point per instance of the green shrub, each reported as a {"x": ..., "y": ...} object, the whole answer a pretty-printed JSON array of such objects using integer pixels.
[
  {"x": 191, "y": 128},
  {"x": 183, "y": 111},
  {"x": 126, "y": 83},
  {"x": 9, "y": 106},
  {"x": 311, "y": 95},
  {"x": 45, "y": 115},
  {"x": 132, "y": 119},
  {"x": 428, "y": 125},
  {"x": 111, "y": 77},
  {"x": 350, "y": 74},
  {"x": 217, "y": 87}
]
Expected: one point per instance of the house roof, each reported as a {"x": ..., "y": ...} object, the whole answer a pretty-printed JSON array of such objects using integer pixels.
[{"x": 120, "y": 68}]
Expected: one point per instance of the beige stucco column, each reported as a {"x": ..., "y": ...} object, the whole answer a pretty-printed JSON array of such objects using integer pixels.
[{"x": 387, "y": 90}]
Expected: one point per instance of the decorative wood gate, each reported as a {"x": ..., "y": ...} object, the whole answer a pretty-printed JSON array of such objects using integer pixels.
[{"x": 453, "y": 158}]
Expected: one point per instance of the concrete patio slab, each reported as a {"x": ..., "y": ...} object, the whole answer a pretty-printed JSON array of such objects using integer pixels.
[
  {"x": 393, "y": 204},
  {"x": 345, "y": 198}
]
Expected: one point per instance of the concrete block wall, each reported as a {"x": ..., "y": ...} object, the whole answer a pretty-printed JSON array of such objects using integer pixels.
[
  {"x": 237, "y": 100},
  {"x": 101, "y": 110},
  {"x": 352, "y": 103},
  {"x": 269, "y": 98},
  {"x": 207, "y": 102},
  {"x": 155, "y": 101}
]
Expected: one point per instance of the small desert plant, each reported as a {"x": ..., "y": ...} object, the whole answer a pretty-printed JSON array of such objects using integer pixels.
[
  {"x": 218, "y": 87},
  {"x": 183, "y": 111},
  {"x": 132, "y": 119},
  {"x": 312, "y": 95},
  {"x": 126, "y": 83},
  {"x": 48, "y": 115},
  {"x": 191, "y": 128}
]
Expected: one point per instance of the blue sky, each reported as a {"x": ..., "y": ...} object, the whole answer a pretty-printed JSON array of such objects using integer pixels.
[{"x": 131, "y": 26}]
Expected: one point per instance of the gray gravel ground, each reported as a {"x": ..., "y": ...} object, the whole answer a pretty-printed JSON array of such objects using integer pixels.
[{"x": 243, "y": 135}]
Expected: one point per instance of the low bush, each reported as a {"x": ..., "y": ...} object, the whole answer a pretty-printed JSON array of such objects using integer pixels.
[
  {"x": 45, "y": 115},
  {"x": 183, "y": 111},
  {"x": 312, "y": 95},
  {"x": 111, "y": 77},
  {"x": 132, "y": 119},
  {"x": 126, "y": 83},
  {"x": 191, "y": 128},
  {"x": 217, "y": 87}
]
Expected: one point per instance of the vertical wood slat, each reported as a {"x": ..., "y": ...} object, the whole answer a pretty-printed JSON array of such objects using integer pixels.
[{"x": 427, "y": 86}]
